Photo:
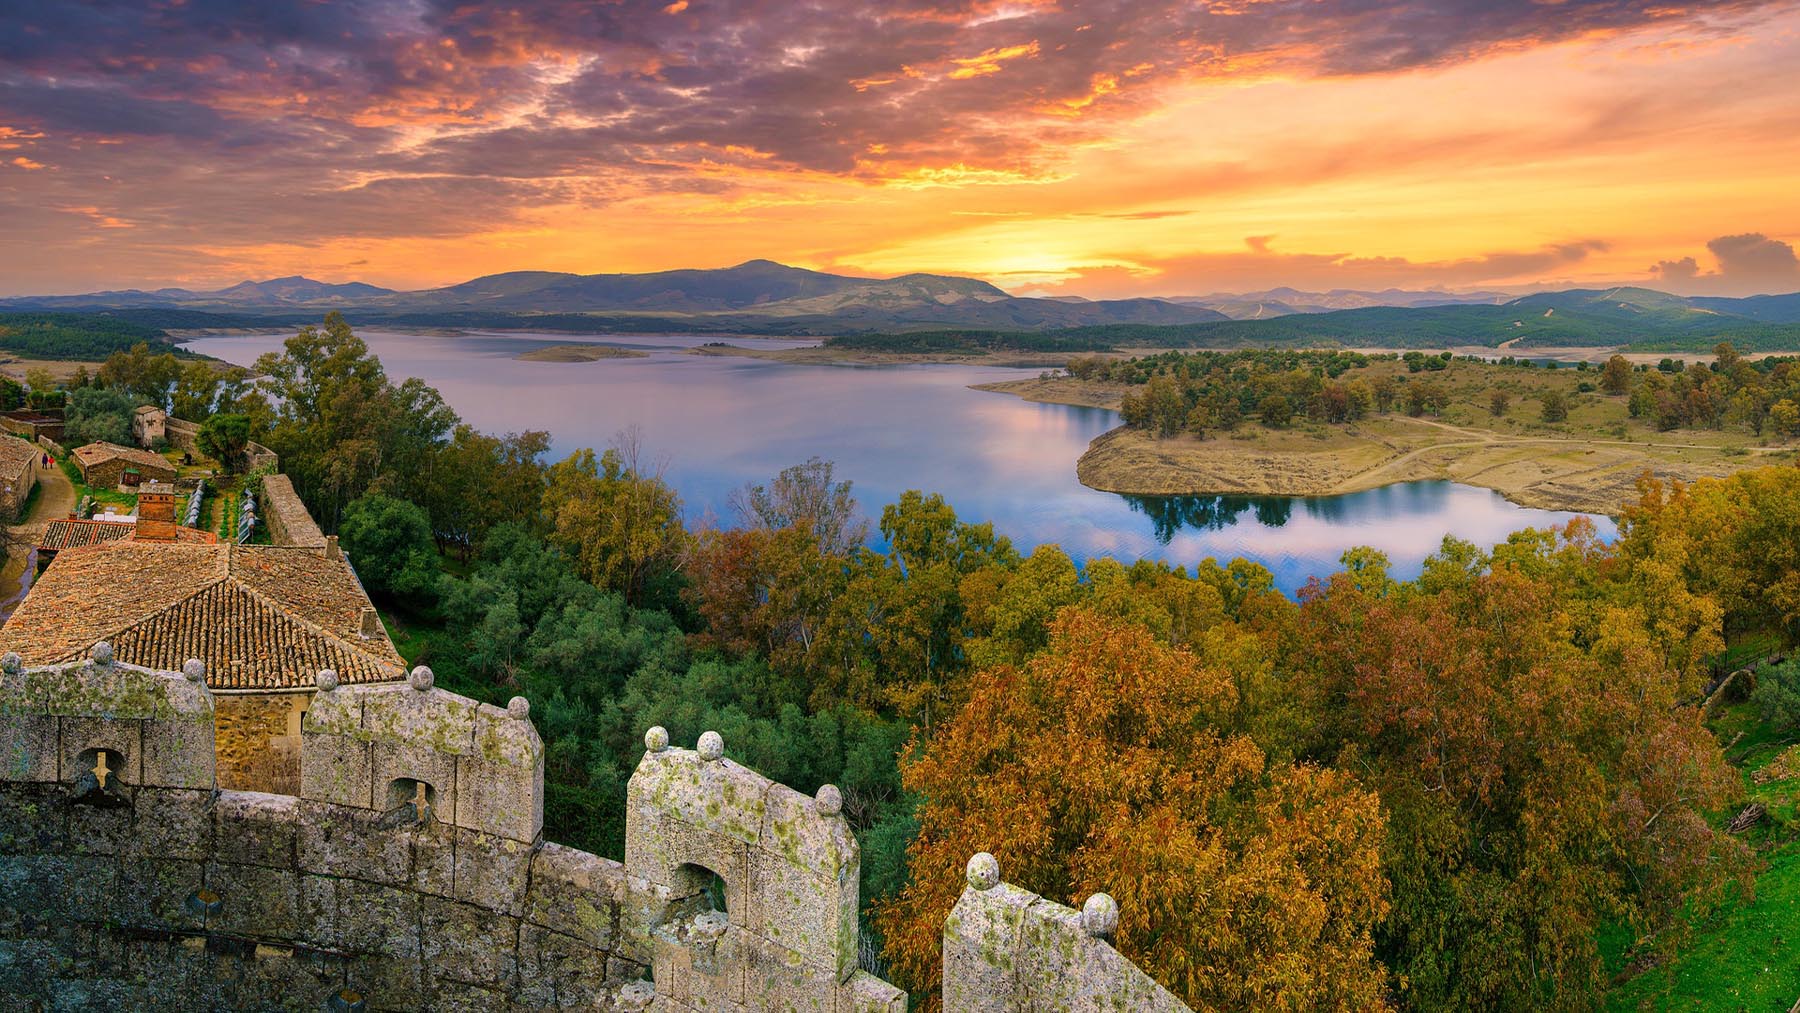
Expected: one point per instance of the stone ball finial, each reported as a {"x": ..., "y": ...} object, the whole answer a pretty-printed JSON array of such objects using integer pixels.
[
  {"x": 656, "y": 739},
  {"x": 11, "y": 663},
  {"x": 829, "y": 801},
  {"x": 327, "y": 680},
  {"x": 194, "y": 669},
  {"x": 421, "y": 678},
  {"x": 984, "y": 871},
  {"x": 518, "y": 708},
  {"x": 1100, "y": 916},
  {"x": 711, "y": 926},
  {"x": 102, "y": 653},
  {"x": 712, "y": 745}
]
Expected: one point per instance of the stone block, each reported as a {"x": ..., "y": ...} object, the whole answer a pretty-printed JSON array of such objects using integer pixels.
[
  {"x": 28, "y": 748},
  {"x": 36, "y": 890},
  {"x": 777, "y": 978},
  {"x": 80, "y": 734},
  {"x": 434, "y": 858},
  {"x": 1061, "y": 967},
  {"x": 576, "y": 894},
  {"x": 980, "y": 940},
  {"x": 468, "y": 944},
  {"x": 492, "y": 872},
  {"x": 803, "y": 911},
  {"x": 794, "y": 829},
  {"x": 700, "y": 976},
  {"x": 255, "y": 901},
  {"x": 377, "y": 919},
  {"x": 251, "y": 828},
  {"x": 173, "y": 823},
  {"x": 337, "y": 712},
  {"x": 720, "y": 795},
  {"x": 459, "y": 997},
  {"x": 117, "y": 692},
  {"x": 179, "y": 750},
  {"x": 336, "y": 768},
  {"x": 435, "y": 720},
  {"x": 500, "y": 782},
  {"x": 559, "y": 971},
  {"x": 317, "y": 921},
  {"x": 279, "y": 978},
  {"x": 386, "y": 983},
  {"x": 865, "y": 993},
  {"x": 100, "y": 830},
  {"x": 339, "y": 841},
  {"x": 500, "y": 798},
  {"x": 32, "y": 817},
  {"x": 154, "y": 893}
]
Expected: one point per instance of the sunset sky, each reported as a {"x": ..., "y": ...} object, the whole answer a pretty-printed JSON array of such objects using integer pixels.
[{"x": 1099, "y": 149}]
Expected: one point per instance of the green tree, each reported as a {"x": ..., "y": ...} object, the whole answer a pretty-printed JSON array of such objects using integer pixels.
[
  {"x": 223, "y": 438},
  {"x": 1777, "y": 694},
  {"x": 1615, "y": 378},
  {"x": 142, "y": 374},
  {"x": 1555, "y": 406},
  {"x": 389, "y": 542},
  {"x": 1277, "y": 411},
  {"x": 98, "y": 414},
  {"x": 1498, "y": 402}
]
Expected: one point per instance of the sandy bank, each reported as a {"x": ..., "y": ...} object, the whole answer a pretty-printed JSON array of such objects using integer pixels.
[{"x": 579, "y": 353}]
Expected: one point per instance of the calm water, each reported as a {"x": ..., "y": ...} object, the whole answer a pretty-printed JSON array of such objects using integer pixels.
[{"x": 720, "y": 422}]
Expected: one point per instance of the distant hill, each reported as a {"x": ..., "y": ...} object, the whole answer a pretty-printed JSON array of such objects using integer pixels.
[
  {"x": 757, "y": 296},
  {"x": 1774, "y": 309},
  {"x": 1271, "y": 302}
]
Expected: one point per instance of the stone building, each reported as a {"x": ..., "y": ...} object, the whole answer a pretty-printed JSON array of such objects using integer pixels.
[
  {"x": 409, "y": 871},
  {"x": 108, "y": 466},
  {"x": 18, "y": 474},
  {"x": 263, "y": 619},
  {"x": 32, "y": 424},
  {"x": 147, "y": 425}
]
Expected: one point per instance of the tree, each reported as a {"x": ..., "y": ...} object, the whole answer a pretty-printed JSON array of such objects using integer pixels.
[
  {"x": 618, "y": 520},
  {"x": 196, "y": 392},
  {"x": 1277, "y": 411},
  {"x": 223, "y": 438},
  {"x": 805, "y": 497},
  {"x": 389, "y": 541},
  {"x": 144, "y": 376},
  {"x": 12, "y": 394},
  {"x": 1498, "y": 402},
  {"x": 1777, "y": 694},
  {"x": 1785, "y": 416},
  {"x": 1615, "y": 378},
  {"x": 97, "y": 414},
  {"x": 1555, "y": 406},
  {"x": 1102, "y": 764}
]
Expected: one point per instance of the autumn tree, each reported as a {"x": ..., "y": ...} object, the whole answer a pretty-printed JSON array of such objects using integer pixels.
[
  {"x": 1100, "y": 765},
  {"x": 805, "y": 497},
  {"x": 618, "y": 519}
]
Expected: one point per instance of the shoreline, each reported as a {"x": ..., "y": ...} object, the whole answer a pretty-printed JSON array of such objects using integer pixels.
[{"x": 1546, "y": 472}]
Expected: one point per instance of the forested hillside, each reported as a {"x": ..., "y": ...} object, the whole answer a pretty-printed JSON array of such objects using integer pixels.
[{"x": 1503, "y": 785}]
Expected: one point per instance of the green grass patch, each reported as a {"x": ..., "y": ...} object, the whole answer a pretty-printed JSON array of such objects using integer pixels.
[{"x": 1746, "y": 955}]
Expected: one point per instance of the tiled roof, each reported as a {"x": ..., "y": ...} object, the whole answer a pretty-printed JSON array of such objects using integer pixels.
[
  {"x": 70, "y": 533},
  {"x": 262, "y": 617},
  {"x": 17, "y": 456},
  {"x": 94, "y": 453}
]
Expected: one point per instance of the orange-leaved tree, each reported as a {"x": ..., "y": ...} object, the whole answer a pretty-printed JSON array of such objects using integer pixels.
[{"x": 1100, "y": 765}]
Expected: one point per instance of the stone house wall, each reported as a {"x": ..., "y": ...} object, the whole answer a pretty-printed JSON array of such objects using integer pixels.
[{"x": 288, "y": 520}]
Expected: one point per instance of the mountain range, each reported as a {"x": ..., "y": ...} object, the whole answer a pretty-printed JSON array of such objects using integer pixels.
[{"x": 762, "y": 296}]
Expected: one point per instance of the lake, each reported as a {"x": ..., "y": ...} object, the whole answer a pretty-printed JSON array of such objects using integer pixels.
[{"x": 720, "y": 422}]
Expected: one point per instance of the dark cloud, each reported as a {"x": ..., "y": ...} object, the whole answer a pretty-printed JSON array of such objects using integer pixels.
[
  {"x": 1748, "y": 264},
  {"x": 222, "y": 120}
]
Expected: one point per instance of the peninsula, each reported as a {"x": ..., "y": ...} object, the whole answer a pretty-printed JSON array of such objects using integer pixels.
[{"x": 1326, "y": 423}]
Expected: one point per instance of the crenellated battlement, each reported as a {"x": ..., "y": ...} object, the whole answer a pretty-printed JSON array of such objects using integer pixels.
[{"x": 410, "y": 871}]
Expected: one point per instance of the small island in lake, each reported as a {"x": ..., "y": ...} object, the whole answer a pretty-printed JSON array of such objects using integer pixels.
[{"x": 580, "y": 353}]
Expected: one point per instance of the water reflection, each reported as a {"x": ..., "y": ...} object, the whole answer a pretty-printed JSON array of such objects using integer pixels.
[{"x": 723, "y": 421}]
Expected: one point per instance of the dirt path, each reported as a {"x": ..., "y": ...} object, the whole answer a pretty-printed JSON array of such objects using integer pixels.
[{"x": 55, "y": 498}]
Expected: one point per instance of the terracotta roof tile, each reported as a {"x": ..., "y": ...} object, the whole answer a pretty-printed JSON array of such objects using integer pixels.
[
  {"x": 16, "y": 455},
  {"x": 262, "y": 617}
]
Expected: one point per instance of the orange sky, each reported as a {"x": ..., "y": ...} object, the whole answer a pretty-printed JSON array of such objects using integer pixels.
[{"x": 1049, "y": 148}]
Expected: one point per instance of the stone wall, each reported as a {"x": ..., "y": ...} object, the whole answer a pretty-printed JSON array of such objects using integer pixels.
[
  {"x": 410, "y": 872},
  {"x": 185, "y": 435},
  {"x": 1008, "y": 949},
  {"x": 288, "y": 520}
]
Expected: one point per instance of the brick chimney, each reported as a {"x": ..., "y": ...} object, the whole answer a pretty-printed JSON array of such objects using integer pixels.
[
  {"x": 371, "y": 623},
  {"x": 156, "y": 512}
]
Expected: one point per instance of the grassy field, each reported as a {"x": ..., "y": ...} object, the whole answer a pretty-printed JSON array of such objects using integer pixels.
[
  {"x": 1746, "y": 956},
  {"x": 1590, "y": 461}
]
